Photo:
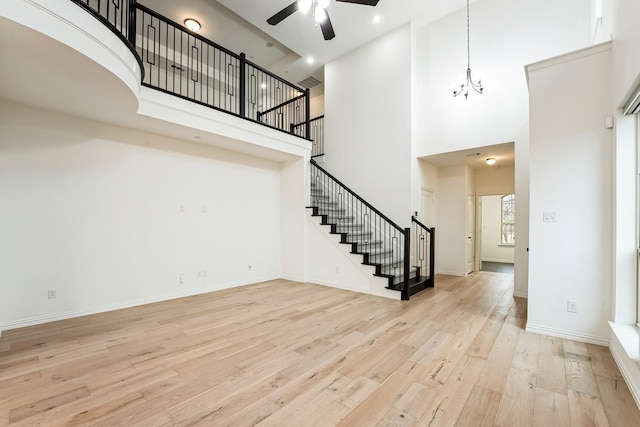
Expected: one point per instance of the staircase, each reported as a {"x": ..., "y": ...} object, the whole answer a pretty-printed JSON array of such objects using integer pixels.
[{"x": 382, "y": 244}]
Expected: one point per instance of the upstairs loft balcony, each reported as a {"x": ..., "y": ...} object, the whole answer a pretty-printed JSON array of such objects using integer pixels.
[{"x": 213, "y": 83}]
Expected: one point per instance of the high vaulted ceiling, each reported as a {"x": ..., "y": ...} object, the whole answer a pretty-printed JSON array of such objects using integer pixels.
[{"x": 241, "y": 26}]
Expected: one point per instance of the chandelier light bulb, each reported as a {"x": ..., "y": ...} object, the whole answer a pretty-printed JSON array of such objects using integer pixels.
[{"x": 304, "y": 6}]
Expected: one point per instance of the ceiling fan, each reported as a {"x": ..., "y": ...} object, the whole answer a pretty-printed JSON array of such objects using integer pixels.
[{"x": 319, "y": 8}]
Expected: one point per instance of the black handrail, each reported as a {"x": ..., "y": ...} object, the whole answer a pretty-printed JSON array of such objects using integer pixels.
[
  {"x": 191, "y": 74},
  {"x": 264, "y": 70},
  {"x": 126, "y": 36},
  {"x": 315, "y": 131},
  {"x": 156, "y": 15},
  {"x": 381, "y": 242},
  {"x": 422, "y": 248},
  {"x": 277, "y": 107},
  {"x": 363, "y": 201}
]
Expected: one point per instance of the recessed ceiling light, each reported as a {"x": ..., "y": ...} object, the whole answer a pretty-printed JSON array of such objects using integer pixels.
[
  {"x": 491, "y": 161},
  {"x": 192, "y": 24},
  {"x": 310, "y": 60},
  {"x": 375, "y": 19}
]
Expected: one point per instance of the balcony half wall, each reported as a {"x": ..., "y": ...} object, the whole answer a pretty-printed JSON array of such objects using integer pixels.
[{"x": 58, "y": 57}]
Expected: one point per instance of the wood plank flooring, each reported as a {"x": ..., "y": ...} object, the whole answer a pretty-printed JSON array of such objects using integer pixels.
[{"x": 282, "y": 353}]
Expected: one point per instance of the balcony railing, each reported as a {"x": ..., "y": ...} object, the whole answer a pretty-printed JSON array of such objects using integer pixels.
[
  {"x": 180, "y": 62},
  {"x": 315, "y": 132}
]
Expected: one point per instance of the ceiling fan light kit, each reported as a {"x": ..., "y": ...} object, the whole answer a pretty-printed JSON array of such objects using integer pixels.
[{"x": 320, "y": 14}]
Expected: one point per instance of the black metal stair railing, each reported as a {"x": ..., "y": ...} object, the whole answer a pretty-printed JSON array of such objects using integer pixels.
[
  {"x": 180, "y": 62},
  {"x": 316, "y": 134},
  {"x": 422, "y": 254},
  {"x": 380, "y": 241}
]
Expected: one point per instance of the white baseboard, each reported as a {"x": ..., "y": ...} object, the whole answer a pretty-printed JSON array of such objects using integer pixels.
[
  {"x": 451, "y": 273},
  {"x": 570, "y": 335},
  {"x": 627, "y": 367},
  {"x": 501, "y": 261},
  {"x": 121, "y": 305}
]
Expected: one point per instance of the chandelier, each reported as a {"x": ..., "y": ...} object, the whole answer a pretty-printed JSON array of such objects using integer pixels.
[
  {"x": 317, "y": 6},
  {"x": 465, "y": 82}
]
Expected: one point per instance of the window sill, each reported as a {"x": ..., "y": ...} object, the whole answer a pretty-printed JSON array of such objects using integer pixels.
[{"x": 629, "y": 337}]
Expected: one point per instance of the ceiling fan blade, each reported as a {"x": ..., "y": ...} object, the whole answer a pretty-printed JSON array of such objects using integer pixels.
[
  {"x": 284, "y": 13},
  {"x": 327, "y": 28},
  {"x": 362, "y": 2}
]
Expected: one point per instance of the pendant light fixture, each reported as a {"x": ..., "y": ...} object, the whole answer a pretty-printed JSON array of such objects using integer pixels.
[{"x": 465, "y": 82}]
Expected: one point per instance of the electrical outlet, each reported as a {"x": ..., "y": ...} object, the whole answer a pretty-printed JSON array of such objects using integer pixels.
[
  {"x": 181, "y": 278},
  {"x": 249, "y": 267},
  {"x": 52, "y": 293},
  {"x": 337, "y": 269},
  {"x": 572, "y": 306}
]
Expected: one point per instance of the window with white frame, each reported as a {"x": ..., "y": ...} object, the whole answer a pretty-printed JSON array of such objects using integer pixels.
[{"x": 508, "y": 219}]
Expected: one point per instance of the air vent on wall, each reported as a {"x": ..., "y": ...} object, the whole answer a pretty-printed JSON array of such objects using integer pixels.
[{"x": 309, "y": 82}]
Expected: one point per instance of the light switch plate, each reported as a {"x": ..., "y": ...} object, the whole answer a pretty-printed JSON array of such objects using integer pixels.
[{"x": 550, "y": 216}]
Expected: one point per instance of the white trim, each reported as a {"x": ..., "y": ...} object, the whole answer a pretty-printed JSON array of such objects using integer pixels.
[
  {"x": 629, "y": 338},
  {"x": 626, "y": 366},
  {"x": 499, "y": 260},
  {"x": 567, "y": 57},
  {"x": 126, "y": 304},
  {"x": 570, "y": 335},
  {"x": 452, "y": 273}
]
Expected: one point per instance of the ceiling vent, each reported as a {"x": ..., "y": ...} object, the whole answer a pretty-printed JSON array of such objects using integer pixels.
[{"x": 309, "y": 82}]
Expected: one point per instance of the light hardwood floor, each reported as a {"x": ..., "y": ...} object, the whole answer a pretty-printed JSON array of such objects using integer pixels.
[{"x": 289, "y": 354}]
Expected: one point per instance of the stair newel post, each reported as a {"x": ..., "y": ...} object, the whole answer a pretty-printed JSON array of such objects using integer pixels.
[
  {"x": 432, "y": 257},
  {"x": 131, "y": 24},
  {"x": 407, "y": 260},
  {"x": 243, "y": 85},
  {"x": 307, "y": 107}
]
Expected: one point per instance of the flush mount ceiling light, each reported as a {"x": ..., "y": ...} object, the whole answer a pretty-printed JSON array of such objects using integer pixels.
[
  {"x": 465, "y": 82},
  {"x": 192, "y": 24},
  {"x": 491, "y": 161}
]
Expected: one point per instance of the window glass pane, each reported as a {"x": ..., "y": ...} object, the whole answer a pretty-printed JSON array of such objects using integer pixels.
[{"x": 508, "y": 220}]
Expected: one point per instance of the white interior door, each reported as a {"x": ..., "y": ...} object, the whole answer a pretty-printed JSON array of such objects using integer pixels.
[
  {"x": 427, "y": 208},
  {"x": 471, "y": 224}
]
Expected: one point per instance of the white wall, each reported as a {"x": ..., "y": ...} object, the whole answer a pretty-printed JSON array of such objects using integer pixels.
[
  {"x": 626, "y": 48},
  {"x": 571, "y": 174},
  {"x": 536, "y": 30},
  {"x": 330, "y": 263},
  {"x": 492, "y": 250},
  {"x": 316, "y": 106},
  {"x": 451, "y": 235},
  {"x": 494, "y": 180},
  {"x": 368, "y": 123},
  {"x": 94, "y": 211}
]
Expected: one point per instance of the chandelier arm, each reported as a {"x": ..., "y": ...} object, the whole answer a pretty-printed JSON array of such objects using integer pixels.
[{"x": 469, "y": 83}]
